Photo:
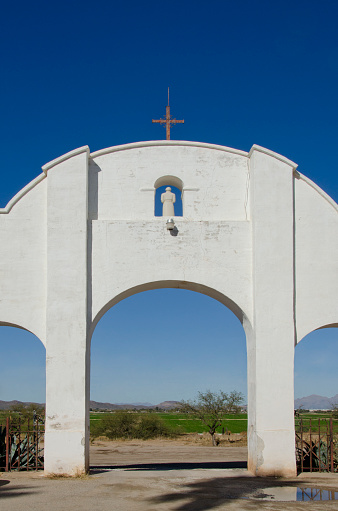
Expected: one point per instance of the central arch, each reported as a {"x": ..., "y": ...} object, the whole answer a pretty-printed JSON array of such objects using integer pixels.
[{"x": 185, "y": 286}]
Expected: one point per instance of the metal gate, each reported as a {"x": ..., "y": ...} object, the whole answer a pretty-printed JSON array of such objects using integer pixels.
[
  {"x": 316, "y": 445},
  {"x": 22, "y": 444}
]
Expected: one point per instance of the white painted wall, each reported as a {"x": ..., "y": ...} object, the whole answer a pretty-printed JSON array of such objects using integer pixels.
[
  {"x": 252, "y": 235},
  {"x": 316, "y": 257},
  {"x": 271, "y": 342},
  {"x": 214, "y": 181},
  {"x": 213, "y": 254},
  {"x": 23, "y": 260},
  {"x": 67, "y": 361}
]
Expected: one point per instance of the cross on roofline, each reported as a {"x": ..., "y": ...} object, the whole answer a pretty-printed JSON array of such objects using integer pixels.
[{"x": 168, "y": 121}]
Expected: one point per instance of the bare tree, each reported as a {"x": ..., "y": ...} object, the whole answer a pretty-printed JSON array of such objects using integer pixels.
[
  {"x": 334, "y": 410},
  {"x": 210, "y": 408}
]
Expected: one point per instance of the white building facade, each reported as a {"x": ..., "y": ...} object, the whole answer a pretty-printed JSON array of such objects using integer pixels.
[{"x": 255, "y": 235}]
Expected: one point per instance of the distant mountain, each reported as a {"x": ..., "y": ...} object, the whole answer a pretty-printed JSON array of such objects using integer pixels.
[
  {"x": 144, "y": 405},
  {"x": 315, "y": 402},
  {"x": 96, "y": 405},
  {"x": 7, "y": 405},
  {"x": 312, "y": 402},
  {"x": 168, "y": 404}
]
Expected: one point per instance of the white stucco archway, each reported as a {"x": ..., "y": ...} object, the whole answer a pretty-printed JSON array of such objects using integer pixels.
[{"x": 253, "y": 230}]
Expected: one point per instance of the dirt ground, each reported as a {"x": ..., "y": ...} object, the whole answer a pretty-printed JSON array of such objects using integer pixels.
[
  {"x": 189, "y": 452},
  {"x": 162, "y": 475}
]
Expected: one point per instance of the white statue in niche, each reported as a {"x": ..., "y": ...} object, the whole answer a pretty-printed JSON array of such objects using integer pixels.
[{"x": 168, "y": 198}]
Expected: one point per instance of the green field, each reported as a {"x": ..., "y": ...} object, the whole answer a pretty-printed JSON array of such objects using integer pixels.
[
  {"x": 234, "y": 423},
  {"x": 316, "y": 422},
  {"x": 183, "y": 424}
]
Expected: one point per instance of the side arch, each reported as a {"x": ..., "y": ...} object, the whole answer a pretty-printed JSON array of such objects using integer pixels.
[
  {"x": 332, "y": 325},
  {"x": 21, "y": 327},
  {"x": 315, "y": 371},
  {"x": 321, "y": 327},
  {"x": 176, "y": 284},
  {"x": 317, "y": 328}
]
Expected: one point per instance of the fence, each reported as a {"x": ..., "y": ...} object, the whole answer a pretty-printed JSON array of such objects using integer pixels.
[
  {"x": 316, "y": 445},
  {"x": 22, "y": 444}
]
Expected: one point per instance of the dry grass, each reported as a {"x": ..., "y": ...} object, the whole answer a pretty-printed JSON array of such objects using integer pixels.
[
  {"x": 204, "y": 439},
  {"x": 76, "y": 475}
]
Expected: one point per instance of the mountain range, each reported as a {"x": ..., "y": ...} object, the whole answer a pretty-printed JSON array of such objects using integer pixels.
[
  {"x": 312, "y": 402},
  {"x": 315, "y": 402},
  {"x": 95, "y": 405}
]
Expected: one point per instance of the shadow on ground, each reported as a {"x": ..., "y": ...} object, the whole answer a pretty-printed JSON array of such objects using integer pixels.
[
  {"x": 12, "y": 491},
  {"x": 211, "y": 493},
  {"x": 174, "y": 466}
]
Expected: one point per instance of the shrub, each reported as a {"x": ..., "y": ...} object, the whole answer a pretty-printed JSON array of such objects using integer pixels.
[
  {"x": 130, "y": 425},
  {"x": 118, "y": 425},
  {"x": 151, "y": 426}
]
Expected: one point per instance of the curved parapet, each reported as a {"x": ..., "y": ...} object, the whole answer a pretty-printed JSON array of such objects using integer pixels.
[
  {"x": 23, "y": 258},
  {"x": 316, "y": 257},
  {"x": 22, "y": 193},
  {"x": 166, "y": 143},
  {"x": 319, "y": 190},
  {"x": 65, "y": 157}
]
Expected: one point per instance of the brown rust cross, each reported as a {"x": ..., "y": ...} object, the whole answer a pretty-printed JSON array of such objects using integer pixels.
[{"x": 168, "y": 121}]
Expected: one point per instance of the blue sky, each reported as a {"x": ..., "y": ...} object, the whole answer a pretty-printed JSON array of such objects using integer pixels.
[{"x": 96, "y": 73}]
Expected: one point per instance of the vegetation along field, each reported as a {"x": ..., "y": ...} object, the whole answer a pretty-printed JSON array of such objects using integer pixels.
[
  {"x": 177, "y": 423},
  {"x": 180, "y": 423}
]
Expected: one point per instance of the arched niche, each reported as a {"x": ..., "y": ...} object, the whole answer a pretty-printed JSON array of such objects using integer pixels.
[{"x": 176, "y": 186}]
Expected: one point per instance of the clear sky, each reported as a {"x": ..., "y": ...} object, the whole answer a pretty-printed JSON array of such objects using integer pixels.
[{"x": 96, "y": 73}]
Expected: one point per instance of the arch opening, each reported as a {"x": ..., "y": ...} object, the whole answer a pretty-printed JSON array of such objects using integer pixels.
[
  {"x": 316, "y": 368},
  {"x": 23, "y": 369},
  {"x": 160, "y": 345}
]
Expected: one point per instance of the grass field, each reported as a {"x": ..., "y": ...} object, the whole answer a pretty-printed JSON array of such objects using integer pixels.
[
  {"x": 234, "y": 423},
  {"x": 183, "y": 424}
]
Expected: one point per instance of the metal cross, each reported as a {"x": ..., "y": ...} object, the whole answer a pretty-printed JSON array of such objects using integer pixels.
[{"x": 168, "y": 121}]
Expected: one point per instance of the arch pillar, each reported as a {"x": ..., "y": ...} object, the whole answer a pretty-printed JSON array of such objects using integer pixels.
[
  {"x": 67, "y": 352},
  {"x": 271, "y": 434}
]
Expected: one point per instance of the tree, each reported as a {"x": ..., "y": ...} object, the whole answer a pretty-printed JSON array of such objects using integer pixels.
[
  {"x": 334, "y": 410},
  {"x": 210, "y": 408}
]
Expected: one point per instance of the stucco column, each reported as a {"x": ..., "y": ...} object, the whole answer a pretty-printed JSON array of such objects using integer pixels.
[
  {"x": 67, "y": 356},
  {"x": 271, "y": 436}
]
